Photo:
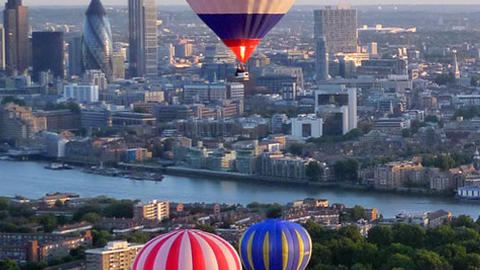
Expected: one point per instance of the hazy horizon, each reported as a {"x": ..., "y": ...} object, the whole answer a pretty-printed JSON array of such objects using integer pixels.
[{"x": 298, "y": 2}]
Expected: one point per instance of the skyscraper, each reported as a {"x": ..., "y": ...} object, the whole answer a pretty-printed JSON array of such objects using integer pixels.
[
  {"x": 47, "y": 54},
  {"x": 455, "y": 66},
  {"x": 75, "y": 67},
  {"x": 2, "y": 48},
  {"x": 16, "y": 36},
  {"x": 143, "y": 55},
  {"x": 321, "y": 59},
  {"x": 339, "y": 27},
  {"x": 97, "y": 47},
  {"x": 118, "y": 62}
]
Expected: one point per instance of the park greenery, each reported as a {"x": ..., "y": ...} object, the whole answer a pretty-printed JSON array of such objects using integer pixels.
[
  {"x": 452, "y": 246},
  {"x": 445, "y": 78},
  {"x": 12, "y": 99},
  {"x": 468, "y": 112}
]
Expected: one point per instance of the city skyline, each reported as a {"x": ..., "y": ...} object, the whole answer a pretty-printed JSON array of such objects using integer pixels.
[{"x": 298, "y": 2}]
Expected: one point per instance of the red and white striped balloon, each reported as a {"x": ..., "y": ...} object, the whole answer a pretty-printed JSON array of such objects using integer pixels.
[{"x": 187, "y": 250}]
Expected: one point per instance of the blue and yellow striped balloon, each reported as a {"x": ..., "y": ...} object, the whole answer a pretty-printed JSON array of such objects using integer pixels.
[{"x": 276, "y": 245}]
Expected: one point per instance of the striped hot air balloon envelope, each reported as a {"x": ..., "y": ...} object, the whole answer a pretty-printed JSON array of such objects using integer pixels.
[
  {"x": 187, "y": 250},
  {"x": 241, "y": 24},
  {"x": 276, "y": 245}
]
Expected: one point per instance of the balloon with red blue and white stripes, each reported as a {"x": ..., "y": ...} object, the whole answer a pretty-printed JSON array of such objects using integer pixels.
[
  {"x": 241, "y": 24},
  {"x": 187, "y": 250}
]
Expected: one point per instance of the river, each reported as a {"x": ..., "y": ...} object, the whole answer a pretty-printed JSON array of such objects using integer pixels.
[{"x": 32, "y": 180}]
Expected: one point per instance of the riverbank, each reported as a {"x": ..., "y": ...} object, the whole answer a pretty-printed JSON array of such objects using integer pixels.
[
  {"x": 184, "y": 171},
  {"x": 167, "y": 168}
]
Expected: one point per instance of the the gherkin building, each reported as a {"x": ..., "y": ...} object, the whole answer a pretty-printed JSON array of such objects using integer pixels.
[{"x": 97, "y": 47}]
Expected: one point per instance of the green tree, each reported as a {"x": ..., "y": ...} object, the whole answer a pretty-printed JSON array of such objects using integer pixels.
[
  {"x": 451, "y": 251},
  {"x": 366, "y": 253},
  {"x": 119, "y": 209},
  {"x": 72, "y": 106},
  {"x": 4, "y": 202},
  {"x": 444, "y": 162},
  {"x": 475, "y": 80},
  {"x": 444, "y": 79},
  {"x": 410, "y": 235},
  {"x": 431, "y": 118},
  {"x": 59, "y": 204},
  {"x": 314, "y": 171},
  {"x": 439, "y": 236},
  {"x": 399, "y": 261},
  {"x": 274, "y": 211},
  {"x": 48, "y": 221},
  {"x": 101, "y": 238},
  {"x": 78, "y": 253},
  {"x": 463, "y": 221},
  {"x": 89, "y": 208},
  {"x": 8, "y": 264},
  {"x": 137, "y": 237},
  {"x": 206, "y": 228},
  {"x": 34, "y": 266},
  {"x": 21, "y": 210},
  {"x": 429, "y": 260},
  {"x": 380, "y": 235},
  {"x": 346, "y": 169},
  {"x": 466, "y": 234},
  {"x": 9, "y": 227},
  {"x": 317, "y": 232},
  {"x": 467, "y": 112},
  {"x": 321, "y": 255},
  {"x": 359, "y": 266},
  {"x": 357, "y": 213},
  {"x": 296, "y": 149},
  {"x": 351, "y": 232},
  {"x": 91, "y": 217},
  {"x": 12, "y": 99}
]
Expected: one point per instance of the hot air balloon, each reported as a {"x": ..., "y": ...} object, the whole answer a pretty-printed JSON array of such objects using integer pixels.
[
  {"x": 241, "y": 24},
  {"x": 275, "y": 245},
  {"x": 187, "y": 250}
]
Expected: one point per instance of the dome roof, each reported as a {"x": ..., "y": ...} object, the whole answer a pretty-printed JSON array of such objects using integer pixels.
[{"x": 96, "y": 8}]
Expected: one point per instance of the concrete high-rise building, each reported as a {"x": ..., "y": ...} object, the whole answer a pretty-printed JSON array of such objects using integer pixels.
[
  {"x": 97, "y": 46},
  {"x": 96, "y": 77},
  {"x": 321, "y": 59},
  {"x": 75, "y": 67},
  {"x": 183, "y": 49},
  {"x": 456, "y": 66},
  {"x": 117, "y": 255},
  {"x": 47, "y": 54},
  {"x": 19, "y": 123},
  {"x": 337, "y": 105},
  {"x": 372, "y": 48},
  {"x": 2, "y": 48},
  {"x": 154, "y": 210},
  {"x": 118, "y": 62},
  {"x": 143, "y": 51},
  {"x": 16, "y": 36},
  {"x": 81, "y": 93},
  {"x": 339, "y": 27},
  {"x": 307, "y": 126}
]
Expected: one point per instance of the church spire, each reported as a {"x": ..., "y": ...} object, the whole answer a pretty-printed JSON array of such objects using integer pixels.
[{"x": 476, "y": 158}]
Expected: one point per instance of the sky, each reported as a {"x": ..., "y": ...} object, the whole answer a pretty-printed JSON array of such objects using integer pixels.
[{"x": 299, "y": 2}]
